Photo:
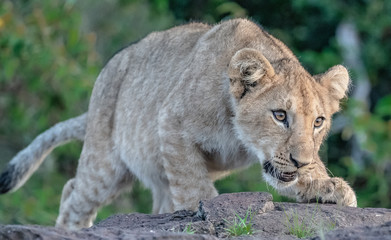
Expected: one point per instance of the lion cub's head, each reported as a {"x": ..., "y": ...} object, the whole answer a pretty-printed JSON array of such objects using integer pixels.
[{"x": 282, "y": 112}]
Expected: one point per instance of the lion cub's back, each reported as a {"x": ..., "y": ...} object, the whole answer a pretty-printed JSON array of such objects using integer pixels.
[{"x": 154, "y": 66}]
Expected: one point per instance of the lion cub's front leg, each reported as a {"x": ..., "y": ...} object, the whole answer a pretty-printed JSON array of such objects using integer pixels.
[
  {"x": 187, "y": 177},
  {"x": 314, "y": 184},
  {"x": 327, "y": 190},
  {"x": 185, "y": 169}
]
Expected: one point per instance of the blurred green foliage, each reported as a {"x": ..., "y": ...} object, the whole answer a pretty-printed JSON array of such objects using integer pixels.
[{"x": 51, "y": 51}]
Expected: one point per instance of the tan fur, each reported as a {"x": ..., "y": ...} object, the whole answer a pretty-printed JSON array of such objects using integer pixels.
[{"x": 184, "y": 107}]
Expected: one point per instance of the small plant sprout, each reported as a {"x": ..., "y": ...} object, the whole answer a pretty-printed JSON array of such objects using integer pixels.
[
  {"x": 189, "y": 229},
  {"x": 240, "y": 226},
  {"x": 299, "y": 228},
  {"x": 325, "y": 227},
  {"x": 308, "y": 226}
]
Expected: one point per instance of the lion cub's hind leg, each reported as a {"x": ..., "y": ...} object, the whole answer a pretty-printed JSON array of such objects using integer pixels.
[{"x": 96, "y": 183}]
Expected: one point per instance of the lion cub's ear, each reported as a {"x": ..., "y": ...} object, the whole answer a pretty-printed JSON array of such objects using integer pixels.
[
  {"x": 248, "y": 67},
  {"x": 336, "y": 80}
]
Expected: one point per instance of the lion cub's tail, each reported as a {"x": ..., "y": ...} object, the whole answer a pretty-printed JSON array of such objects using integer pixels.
[{"x": 24, "y": 164}]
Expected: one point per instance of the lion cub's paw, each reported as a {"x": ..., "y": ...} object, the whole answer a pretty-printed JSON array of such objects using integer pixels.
[{"x": 340, "y": 193}]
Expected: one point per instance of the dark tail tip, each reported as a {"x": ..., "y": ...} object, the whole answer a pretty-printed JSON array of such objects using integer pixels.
[{"x": 7, "y": 179}]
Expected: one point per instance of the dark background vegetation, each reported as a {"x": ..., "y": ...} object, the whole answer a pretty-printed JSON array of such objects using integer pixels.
[{"x": 51, "y": 51}]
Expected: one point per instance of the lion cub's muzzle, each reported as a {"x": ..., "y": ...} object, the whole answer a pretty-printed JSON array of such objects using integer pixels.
[
  {"x": 280, "y": 175},
  {"x": 297, "y": 163}
]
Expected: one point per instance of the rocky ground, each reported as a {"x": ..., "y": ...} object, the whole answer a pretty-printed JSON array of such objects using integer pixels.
[{"x": 268, "y": 220}]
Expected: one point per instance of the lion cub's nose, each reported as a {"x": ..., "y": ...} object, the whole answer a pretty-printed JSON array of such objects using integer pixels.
[{"x": 297, "y": 163}]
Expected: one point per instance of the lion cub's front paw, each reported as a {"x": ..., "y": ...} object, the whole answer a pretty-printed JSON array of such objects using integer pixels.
[{"x": 340, "y": 192}]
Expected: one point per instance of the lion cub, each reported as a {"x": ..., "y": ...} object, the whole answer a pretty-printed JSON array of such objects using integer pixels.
[{"x": 184, "y": 107}]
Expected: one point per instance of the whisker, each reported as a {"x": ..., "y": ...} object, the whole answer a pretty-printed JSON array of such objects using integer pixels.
[{"x": 328, "y": 170}]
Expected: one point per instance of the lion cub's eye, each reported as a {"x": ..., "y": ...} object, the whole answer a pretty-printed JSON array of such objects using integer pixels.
[
  {"x": 319, "y": 122},
  {"x": 280, "y": 115}
]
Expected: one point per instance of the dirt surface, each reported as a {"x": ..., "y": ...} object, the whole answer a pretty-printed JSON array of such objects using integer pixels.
[{"x": 270, "y": 220}]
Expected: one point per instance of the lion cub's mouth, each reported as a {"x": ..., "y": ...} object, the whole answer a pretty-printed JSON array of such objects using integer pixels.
[{"x": 282, "y": 176}]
